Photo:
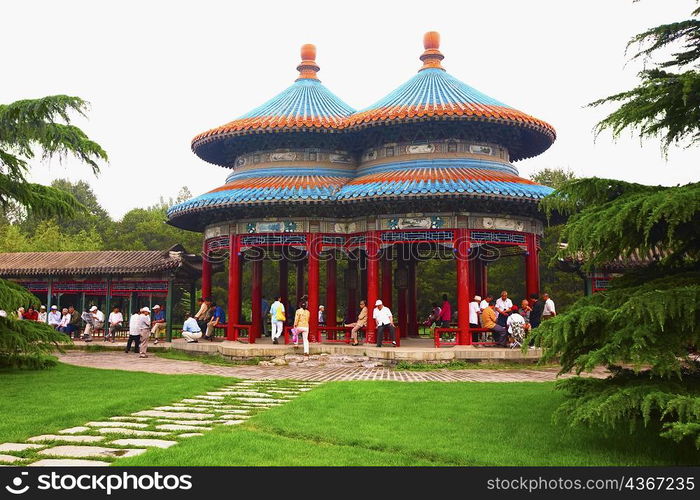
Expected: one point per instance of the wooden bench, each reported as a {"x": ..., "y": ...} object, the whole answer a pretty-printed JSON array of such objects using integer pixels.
[{"x": 439, "y": 342}]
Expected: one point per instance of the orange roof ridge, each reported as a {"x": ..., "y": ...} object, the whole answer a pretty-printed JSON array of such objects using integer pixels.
[
  {"x": 432, "y": 56},
  {"x": 307, "y": 68}
]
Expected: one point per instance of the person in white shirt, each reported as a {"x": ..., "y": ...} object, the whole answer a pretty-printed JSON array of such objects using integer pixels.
[
  {"x": 115, "y": 321},
  {"x": 54, "y": 318},
  {"x": 503, "y": 304},
  {"x": 65, "y": 321},
  {"x": 474, "y": 311},
  {"x": 549, "y": 310},
  {"x": 190, "y": 329},
  {"x": 516, "y": 324},
  {"x": 277, "y": 315},
  {"x": 43, "y": 316},
  {"x": 98, "y": 321},
  {"x": 385, "y": 321},
  {"x": 144, "y": 326},
  {"x": 134, "y": 333}
]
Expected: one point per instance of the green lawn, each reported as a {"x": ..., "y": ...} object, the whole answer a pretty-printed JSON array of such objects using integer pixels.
[
  {"x": 45, "y": 401},
  {"x": 392, "y": 423}
]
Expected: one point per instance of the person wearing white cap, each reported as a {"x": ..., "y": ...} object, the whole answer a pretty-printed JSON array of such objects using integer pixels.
[
  {"x": 115, "y": 320},
  {"x": 42, "y": 314},
  {"x": 474, "y": 311},
  {"x": 143, "y": 325},
  {"x": 94, "y": 320},
  {"x": 54, "y": 317},
  {"x": 385, "y": 321},
  {"x": 157, "y": 322}
]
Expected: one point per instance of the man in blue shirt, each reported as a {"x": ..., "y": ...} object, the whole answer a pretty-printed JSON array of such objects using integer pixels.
[
  {"x": 190, "y": 329},
  {"x": 218, "y": 318},
  {"x": 157, "y": 322}
]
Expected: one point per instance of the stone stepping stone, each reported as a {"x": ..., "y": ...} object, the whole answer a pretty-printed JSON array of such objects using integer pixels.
[
  {"x": 190, "y": 434},
  {"x": 66, "y": 439},
  {"x": 233, "y": 422},
  {"x": 251, "y": 394},
  {"x": 261, "y": 400},
  {"x": 74, "y": 430},
  {"x": 121, "y": 424},
  {"x": 236, "y": 410},
  {"x": 71, "y": 451},
  {"x": 213, "y": 398},
  {"x": 183, "y": 406},
  {"x": 148, "y": 443},
  {"x": 190, "y": 409},
  {"x": 135, "y": 419},
  {"x": 235, "y": 415},
  {"x": 180, "y": 427},
  {"x": 68, "y": 462},
  {"x": 200, "y": 402},
  {"x": 9, "y": 458},
  {"x": 20, "y": 446},
  {"x": 169, "y": 414},
  {"x": 185, "y": 422},
  {"x": 130, "y": 432}
]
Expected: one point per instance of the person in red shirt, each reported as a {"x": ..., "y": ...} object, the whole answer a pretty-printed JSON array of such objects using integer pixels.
[
  {"x": 31, "y": 314},
  {"x": 445, "y": 312}
]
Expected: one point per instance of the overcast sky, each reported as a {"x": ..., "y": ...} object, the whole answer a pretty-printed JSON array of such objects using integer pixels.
[{"x": 158, "y": 73}]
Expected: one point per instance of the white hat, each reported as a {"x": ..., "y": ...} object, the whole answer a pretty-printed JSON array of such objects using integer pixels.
[
  {"x": 378, "y": 303},
  {"x": 42, "y": 306},
  {"x": 156, "y": 306},
  {"x": 477, "y": 297},
  {"x": 93, "y": 309},
  {"x": 145, "y": 310},
  {"x": 54, "y": 306}
]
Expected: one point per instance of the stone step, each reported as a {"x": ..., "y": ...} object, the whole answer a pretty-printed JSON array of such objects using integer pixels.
[
  {"x": 67, "y": 462},
  {"x": 66, "y": 439},
  {"x": 148, "y": 443},
  {"x": 20, "y": 446},
  {"x": 179, "y": 427},
  {"x": 190, "y": 409},
  {"x": 233, "y": 422},
  {"x": 130, "y": 432},
  {"x": 121, "y": 424},
  {"x": 129, "y": 418},
  {"x": 9, "y": 458},
  {"x": 74, "y": 430},
  {"x": 72, "y": 451},
  {"x": 190, "y": 434},
  {"x": 168, "y": 414}
]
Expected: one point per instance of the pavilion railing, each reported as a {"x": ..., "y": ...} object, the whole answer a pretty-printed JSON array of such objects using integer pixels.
[{"x": 443, "y": 338}]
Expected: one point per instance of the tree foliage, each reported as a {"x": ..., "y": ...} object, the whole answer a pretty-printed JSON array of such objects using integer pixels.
[
  {"x": 666, "y": 103},
  {"x": 647, "y": 320},
  {"x": 27, "y": 127}
]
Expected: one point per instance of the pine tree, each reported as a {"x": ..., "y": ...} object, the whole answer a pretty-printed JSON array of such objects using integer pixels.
[{"x": 26, "y": 127}]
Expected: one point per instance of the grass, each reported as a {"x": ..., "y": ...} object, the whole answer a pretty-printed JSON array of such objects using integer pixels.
[
  {"x": 432, "y": 423},
  {"x": 45, "y": 401},
  {"x": 467, "y": 365},
  {"x": 208, "y": 359}
]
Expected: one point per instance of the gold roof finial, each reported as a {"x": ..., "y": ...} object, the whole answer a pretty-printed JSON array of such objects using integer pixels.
[
  {"x": 432, "y": 56},
  {"x": 307, "y": 68}
]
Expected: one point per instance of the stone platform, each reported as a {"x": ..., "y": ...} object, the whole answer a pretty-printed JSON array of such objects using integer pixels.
[{"x": 411, "y": 350}]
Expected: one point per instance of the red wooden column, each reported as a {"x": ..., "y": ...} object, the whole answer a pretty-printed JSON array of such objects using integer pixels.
[
  {"x": 412, "y": 299},
  {"x": 402, "y": 292},
  {"x": 256, "y": 299},
  {"x": 351, "y": 281},
  {"x": 532, "y": 266},
  {"x": 331, "y": 291},
  {"x": 463, "y": 291},
  {"x": 313, "y": 245},
  {"x": 372, "y": 248},
  {"x": 387, "y": 283},
  {"x": 206, "y": 271},
  {"x": 234, "y": 288},
  {"x": 300, "y": 280},
  {"x": 284, "y": 281}
]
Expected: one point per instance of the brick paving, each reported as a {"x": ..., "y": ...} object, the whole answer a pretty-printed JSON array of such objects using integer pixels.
[{"x": 320, "y": 373}]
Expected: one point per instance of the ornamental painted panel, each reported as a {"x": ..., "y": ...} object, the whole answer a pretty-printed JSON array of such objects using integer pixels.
[
  {"x": 502, "y": 223},
  {"x": 289, "y": 156},
  {"x": 420, "y": 149},
  {"x": 215, "y": 231},
  {"x": 481, "y": 150},
  {"x": 339, "y": 158},
  {"x": 271, "y": 227},
  {"x": 415, "y": 223}
]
